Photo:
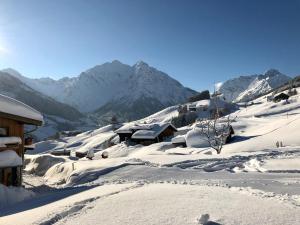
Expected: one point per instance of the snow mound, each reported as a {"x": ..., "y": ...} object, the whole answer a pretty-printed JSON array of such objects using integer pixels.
[
  {"x": 9, "y": 140},
  {"x": 10, "y": 158},
  {"x": 195, "y": 139},
  {"x": 40, "y": 164}
]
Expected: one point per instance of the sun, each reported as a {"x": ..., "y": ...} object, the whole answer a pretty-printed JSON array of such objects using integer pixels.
[
  {"x": 3, "y": 48},
  {"x": 3, "y": 44}
]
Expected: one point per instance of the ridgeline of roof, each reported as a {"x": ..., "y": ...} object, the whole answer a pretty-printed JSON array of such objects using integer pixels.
[
  {"x": 152, "y": 133},
  {"x": 12, "y": 109},
  {"x": 131, "y": 127}
]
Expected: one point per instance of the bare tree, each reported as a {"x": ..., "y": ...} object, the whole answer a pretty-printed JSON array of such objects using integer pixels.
[{"x": 217, "y": 132}]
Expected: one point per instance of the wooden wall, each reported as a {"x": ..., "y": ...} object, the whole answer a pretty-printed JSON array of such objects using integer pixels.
[
  {"x": 14, "y": 129},
  {"x": 166, "y": 133},
  {"x": 13, "y": 176}
]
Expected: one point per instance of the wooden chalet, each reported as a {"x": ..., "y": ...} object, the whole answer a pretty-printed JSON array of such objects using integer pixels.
[
  {"x": 125, "y": 132},
  {"x": 281, "y": 96},
  {"x": 146, "y": 134},
  {"x": 13, "y": 116}
]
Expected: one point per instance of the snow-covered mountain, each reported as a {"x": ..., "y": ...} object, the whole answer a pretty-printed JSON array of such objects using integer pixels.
[
  {"x": 246, "y": 88},
  {"x": 133, "y": 91},
  {"x": 57, "y": 115}
]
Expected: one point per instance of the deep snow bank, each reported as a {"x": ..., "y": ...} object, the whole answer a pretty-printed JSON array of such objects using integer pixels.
[{"x": 40, "y": 164}]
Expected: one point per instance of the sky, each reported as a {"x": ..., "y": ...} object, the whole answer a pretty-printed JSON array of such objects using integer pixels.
[{"x": 198, "y": 42}]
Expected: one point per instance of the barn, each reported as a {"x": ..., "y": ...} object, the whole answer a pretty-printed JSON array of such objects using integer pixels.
[
  {"x": 13, "y": 116},
  {"x": 281, "y": 96},
  {"x": 146, "y": 134},
  {"x": 126, "y": 131},
  {"x": 157, "y": 133}
]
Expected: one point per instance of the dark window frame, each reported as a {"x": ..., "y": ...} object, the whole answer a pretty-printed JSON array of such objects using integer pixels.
[{"x": 6, "y": 131}]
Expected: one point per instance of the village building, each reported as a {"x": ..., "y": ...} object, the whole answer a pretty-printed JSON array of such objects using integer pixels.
[
  {"x": 146, "y": 134},
  {"x": 13, "y": 116},
  {"x": 281, "y": 96},
  {"x": 125, "y": 132},
  {"x": 211, "y": 107}
]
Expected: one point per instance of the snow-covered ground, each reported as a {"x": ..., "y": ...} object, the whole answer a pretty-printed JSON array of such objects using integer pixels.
[{"x": 252, "y": 181}]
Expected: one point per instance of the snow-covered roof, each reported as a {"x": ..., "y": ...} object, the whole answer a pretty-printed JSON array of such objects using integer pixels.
[
  {"x": 10, "y": 158},
  {"x": 9, "y": 140},
  {"x": 13, "y": 109},
  {"x": 131, "y": 127},
  {"x": 202, "y": 103},
  {"x": 153, "y": 132}
]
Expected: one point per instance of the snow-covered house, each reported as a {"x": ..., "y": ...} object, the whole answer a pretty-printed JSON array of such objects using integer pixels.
[
  {"x": 146, "y": 134},
  {"x": 281, "y": 96},
  {"x": 13, "y": 116},
  {"x": 125, "y": 132},
  {"x": 211, "y": 106}
]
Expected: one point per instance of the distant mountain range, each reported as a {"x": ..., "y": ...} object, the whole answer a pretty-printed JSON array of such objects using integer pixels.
[
  {"x": 247, "y": 88},
  {"x": 129, "y": 92},
  {"x": 114, "y": 88}
]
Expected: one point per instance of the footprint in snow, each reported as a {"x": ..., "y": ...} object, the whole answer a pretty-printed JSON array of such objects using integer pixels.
[{"x": 204, "y": 220}]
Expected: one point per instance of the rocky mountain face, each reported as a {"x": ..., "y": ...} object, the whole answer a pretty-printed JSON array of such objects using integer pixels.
[
  {"x": 246, "y": 88},
  {"x": 131, "y": 92}
]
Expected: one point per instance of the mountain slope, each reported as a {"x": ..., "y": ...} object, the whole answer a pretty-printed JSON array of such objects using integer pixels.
[
  {"x": 13, "y": 87},
  {"x": 133, "y": 91},
  {"x": 246, "y": 88},
  {"x": 57, "y": 116}
]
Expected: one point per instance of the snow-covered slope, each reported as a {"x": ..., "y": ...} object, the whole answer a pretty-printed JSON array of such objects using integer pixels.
[
  {"x": 137, "y": 90},
  {"x": 235, "y": 187},
  {"x": 246, "y": 88}
]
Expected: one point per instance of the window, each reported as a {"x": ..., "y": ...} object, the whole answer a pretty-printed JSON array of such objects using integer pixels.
[
  {"x": 3, "y": 131},
  {"x": 11, "y": 176}
]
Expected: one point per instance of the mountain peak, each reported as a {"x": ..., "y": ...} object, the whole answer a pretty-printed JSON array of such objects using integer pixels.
[
  {"x": 116, "y": 62},
  {"x": 140, "y": 64},
  {"x": 272, "y": 72},
  {"x": 12, "y": 72}
]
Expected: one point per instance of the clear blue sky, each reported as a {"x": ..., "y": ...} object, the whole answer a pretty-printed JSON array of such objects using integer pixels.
[{"x": 195, "y": 41}]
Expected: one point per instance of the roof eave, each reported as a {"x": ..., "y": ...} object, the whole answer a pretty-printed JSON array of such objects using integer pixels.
[{"x": 22, "y": 119}]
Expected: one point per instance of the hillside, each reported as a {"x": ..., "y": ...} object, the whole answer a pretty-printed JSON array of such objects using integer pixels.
[{"x": 250, "y": 172}]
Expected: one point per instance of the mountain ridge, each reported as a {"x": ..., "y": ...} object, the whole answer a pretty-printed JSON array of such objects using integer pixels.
[
  {"x": 246, "y": 88},
  {"x": 112, "y": 82}
]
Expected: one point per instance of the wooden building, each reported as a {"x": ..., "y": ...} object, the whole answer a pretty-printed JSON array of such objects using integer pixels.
[
  {"x": 125, "y": 132},
  {"x": 281, "y": 96},
  {"x": 13, "y": 116},
  {"x": 146, "y": 134}
]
